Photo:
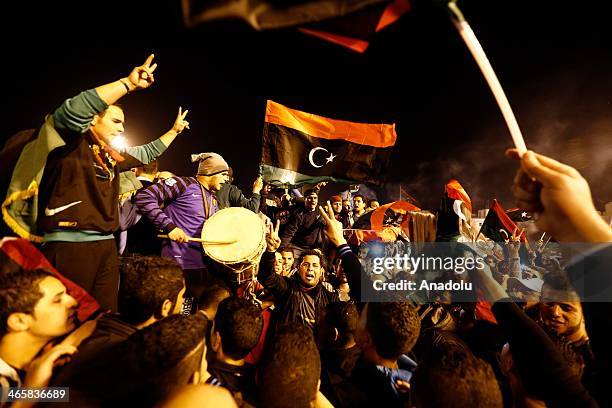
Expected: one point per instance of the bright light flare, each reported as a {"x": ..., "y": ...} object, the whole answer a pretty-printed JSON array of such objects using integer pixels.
[{"x": 119, "y": 142}]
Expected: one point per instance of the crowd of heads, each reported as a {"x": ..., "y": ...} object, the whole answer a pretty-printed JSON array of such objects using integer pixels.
[{"x": 304, "y": 339}]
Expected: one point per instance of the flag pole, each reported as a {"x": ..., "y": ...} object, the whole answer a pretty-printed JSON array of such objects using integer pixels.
[{"x": 479, "y": 55}]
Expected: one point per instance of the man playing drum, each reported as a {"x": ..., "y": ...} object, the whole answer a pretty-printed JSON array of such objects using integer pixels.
[{"x": 188, "y": 203}]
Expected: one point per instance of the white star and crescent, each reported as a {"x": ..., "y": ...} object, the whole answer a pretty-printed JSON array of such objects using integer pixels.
[{"x": 328, "y": 159}]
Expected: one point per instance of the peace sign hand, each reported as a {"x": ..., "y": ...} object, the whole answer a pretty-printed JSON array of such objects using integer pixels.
[
  {"x": 514, "y": 243},
  {"x": 333, "y": 227},
  {"x": 180, "y": 123},
  {"x": 142, "y": 77},
  {"x": 272, "y": 239}
]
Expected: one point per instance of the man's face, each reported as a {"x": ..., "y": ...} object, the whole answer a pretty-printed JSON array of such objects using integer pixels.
[
  {"x": 346, "y": 205},
  {"x": 374, "y": 204},
  {"x": 310, "y": 270},
  {"x": 359, "y": 204},
  {"x": 288, "y": 260},
  {"x": 108, "y": 124},
  {"x": 278, "y": 263},
  {"x": 564, "y": 318},
  {"x": 218, "y": 179},
  {"x": 337, "y": 206},
  {"x": 311, "y": 201},
  {"x": 55, "y": 313}
]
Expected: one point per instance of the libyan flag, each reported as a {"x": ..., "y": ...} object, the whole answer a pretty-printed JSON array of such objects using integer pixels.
[
  {"x": 302, "y": 148},
  {"x": 497, "y": 225}
]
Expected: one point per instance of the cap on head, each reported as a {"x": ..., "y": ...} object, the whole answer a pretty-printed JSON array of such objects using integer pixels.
[
  {"x": 209, "y": 163},
  {"x": 336, "y": 199}
]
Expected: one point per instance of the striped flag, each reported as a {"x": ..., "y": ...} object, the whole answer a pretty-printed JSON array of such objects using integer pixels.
[
  {"x": 497, "y": 225},
  {"x": 302, "y": 148}
]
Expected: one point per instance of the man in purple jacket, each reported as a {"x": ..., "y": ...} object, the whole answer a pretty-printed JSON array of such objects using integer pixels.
[{"x": 188, "y": 203}]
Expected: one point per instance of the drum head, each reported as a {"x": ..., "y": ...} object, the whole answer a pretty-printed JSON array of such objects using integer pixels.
[{"x": 236, "y": 224}]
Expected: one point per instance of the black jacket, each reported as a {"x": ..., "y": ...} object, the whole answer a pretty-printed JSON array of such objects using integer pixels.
[
  {"x": 304, "y": 229},
  {"x": 542, "y": 368},
  {"x": 591, "y": 276},
  {"x": 110, "y": 330},
  {"x": 294, "y": 300},
  {"x": 230, "y": 196}
]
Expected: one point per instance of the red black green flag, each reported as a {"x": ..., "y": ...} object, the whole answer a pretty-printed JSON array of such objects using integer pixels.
[
  {"x": 497, "y": 225},
  {"x": 302, "y": 148}
]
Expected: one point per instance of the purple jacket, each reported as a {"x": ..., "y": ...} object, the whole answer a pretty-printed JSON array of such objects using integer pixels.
[{"x": 183, "y": 208}]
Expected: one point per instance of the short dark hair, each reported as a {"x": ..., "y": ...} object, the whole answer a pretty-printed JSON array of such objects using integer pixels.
[
  {"x": 315, "y": 252},
  {"x": 19, "y": 293},
  {"x": 344, "y": 317},
  {"x": 212, "y": 295},
  {"x": 559, "y": 282},
  {"x": 359, "y": 195},
  {"x": 239, "y": 324},
  {"x": 149, "y": 365},
  {"x": 311, "y": 191},
  {"x": 150, "y": 168},
  {"x": 455, "y": 378},
  {"x": 146, "y": 282},
  {"x": 286, "y": 249},
  {"x": 371, "y": 200},
  {"x": 289, "y": 373},
  {"x": 394, "y": 327}
]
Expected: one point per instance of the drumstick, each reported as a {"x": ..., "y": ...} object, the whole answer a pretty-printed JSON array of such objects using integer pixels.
[{"x": 204, "y": 241}]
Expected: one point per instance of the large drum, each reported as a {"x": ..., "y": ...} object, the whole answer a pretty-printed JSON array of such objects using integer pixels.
[{"x": 235, "y": 238}]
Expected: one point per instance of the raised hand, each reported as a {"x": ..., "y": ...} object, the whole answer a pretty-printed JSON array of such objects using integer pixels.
[
  {"x": 272, "y": 239},
  {"x": 141, "y": 77},
  {"x": 514, "y": 243},
  {"x": 257, "y": 185},
  {"x": 333, "y": 227},
  {"x": 560, "y": 196},
  {"x": 180, "y": 123}
]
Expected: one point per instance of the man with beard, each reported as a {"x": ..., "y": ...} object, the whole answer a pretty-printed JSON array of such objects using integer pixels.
[{"x": 187, "y": 203}]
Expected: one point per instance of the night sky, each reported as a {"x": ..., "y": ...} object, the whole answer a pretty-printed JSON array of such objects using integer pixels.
[{"x": 554, "y": 60}]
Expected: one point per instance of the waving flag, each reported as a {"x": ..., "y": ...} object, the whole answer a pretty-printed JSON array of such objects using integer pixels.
[
  {"x": 302, "y": 148},
  {"x": 355, "y": 30},
  {"x": 497, "y": 225},
  {"x": 455, "y": 191}
]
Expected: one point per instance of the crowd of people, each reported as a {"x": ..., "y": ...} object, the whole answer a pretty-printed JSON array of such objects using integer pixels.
[{"x": 172, "y": 327}]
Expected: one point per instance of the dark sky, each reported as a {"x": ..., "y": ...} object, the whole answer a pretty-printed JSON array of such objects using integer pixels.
[{"x": 554, "y": 61}]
